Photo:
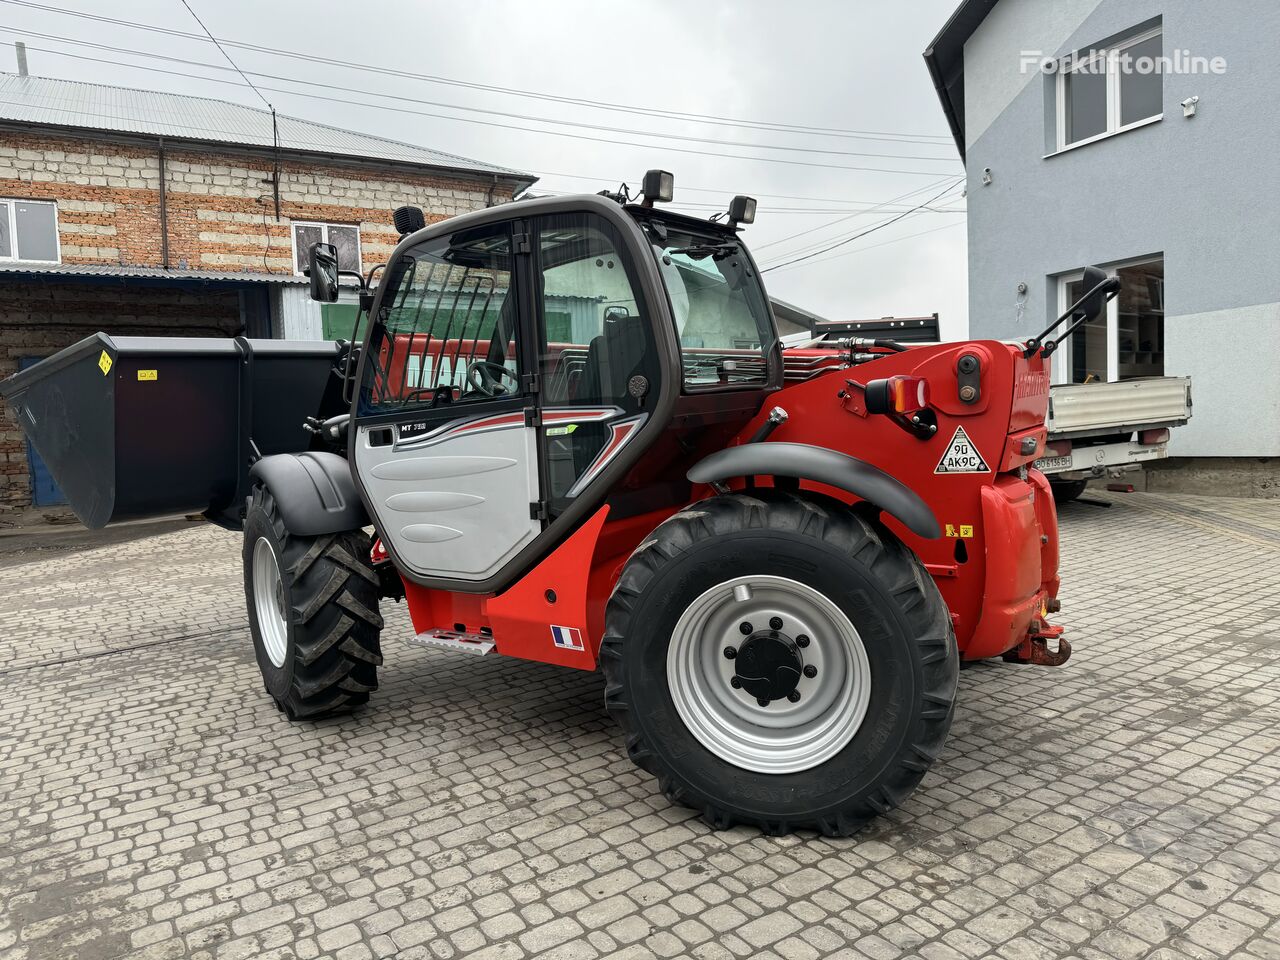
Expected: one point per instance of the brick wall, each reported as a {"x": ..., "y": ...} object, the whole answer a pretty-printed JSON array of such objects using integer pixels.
[
  {"x": 221, "y": 216},
  {"x": 39, "y": 318},
  {"x": 220, "y": 206}
]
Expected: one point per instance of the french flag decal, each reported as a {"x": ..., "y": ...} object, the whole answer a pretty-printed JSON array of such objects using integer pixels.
[{"x": 567, "y": 638}]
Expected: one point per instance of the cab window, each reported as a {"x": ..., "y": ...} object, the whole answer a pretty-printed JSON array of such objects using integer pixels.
[
  {"x": 446, "y": 330},
  {"x": 598, "y": 348},
  {"x": 721, "y": 316}
]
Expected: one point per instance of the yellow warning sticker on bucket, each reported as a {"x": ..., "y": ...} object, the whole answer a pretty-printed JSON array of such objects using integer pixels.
[
  {"x": 148, "y": 375},
  {"x": 104, "y": 363}
]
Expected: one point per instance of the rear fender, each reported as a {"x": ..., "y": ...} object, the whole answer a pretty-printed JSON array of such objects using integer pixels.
[
  {"x": 315, "y": 492},
  {"x": 818, "y": 465}
]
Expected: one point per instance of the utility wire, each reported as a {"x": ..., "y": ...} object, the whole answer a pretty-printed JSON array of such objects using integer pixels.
[
  {"x": 775, "y": 126},
  {"x": 883, "y": 243},
  {"x": 951, "y": 181},
  {"x": 806, "y": 248},
  {"x": 215, "y": 42},
  {"x": 450, "y": 106},
  {"x": 507, "y": 126},
  {"x": 857, "y": 236}
]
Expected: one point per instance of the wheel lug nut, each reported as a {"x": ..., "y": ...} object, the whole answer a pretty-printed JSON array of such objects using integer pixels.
[
  {"x": 794, "y": 696},
  {"x": 730, "y": 653},
  {"x": 763, "y": 701},
  {"x": 811, "y": 671},
  {"x": 735, "y": 682},
  {"x": 802, "y": 640},
  {"x": 775, "y": 623},
  {"x": 745, "y": 628}
]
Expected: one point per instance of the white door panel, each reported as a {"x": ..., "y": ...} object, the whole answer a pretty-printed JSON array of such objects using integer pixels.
[{"x": 454, "y": 503}]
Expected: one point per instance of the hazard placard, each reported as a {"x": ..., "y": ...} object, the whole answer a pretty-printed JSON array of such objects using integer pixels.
[{"x": 961, "y": 456}]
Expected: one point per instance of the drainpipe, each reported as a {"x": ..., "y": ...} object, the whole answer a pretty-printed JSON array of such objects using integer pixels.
[
  {"x": 492, "y": 189},
  {"x": 164, "y": 216}
]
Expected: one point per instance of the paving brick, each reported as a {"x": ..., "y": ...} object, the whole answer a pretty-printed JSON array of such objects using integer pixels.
[{"x": 154, "y": 801}]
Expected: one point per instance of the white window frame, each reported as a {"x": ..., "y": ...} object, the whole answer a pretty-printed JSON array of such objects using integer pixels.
[
  {"x": 1074, "y": 61},
  {"x": 1061, "y": 361},
  {"x": 13, "y": 229},
  {"x": 324, "y": 238}
]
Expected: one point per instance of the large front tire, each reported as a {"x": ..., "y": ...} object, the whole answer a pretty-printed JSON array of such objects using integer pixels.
[
  {"x": 780, "y": 660},
  {"x": 313, "y": 613}
]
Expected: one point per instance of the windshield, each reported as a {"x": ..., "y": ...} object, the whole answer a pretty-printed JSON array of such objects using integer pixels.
[{"x": 717, "y": 300}]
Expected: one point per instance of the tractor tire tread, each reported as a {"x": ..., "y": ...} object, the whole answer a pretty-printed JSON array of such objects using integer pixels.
[
  {"x": 334, "y": 617},
  {"x": 857, "y": 535}
]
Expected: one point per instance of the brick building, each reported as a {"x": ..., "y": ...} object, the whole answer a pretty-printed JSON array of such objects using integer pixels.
[{"x": 145, "y": 213}]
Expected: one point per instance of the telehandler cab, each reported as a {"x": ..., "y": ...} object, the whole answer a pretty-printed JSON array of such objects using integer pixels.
[{"x": 575, "y": 438}]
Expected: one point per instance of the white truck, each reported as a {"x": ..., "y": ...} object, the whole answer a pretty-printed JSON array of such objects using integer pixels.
[
  {"x": 1095, "y": 429},
  {"x": 1105, "y": 429}
]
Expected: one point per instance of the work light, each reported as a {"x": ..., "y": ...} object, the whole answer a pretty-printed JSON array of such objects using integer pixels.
[
  {"x": 742, "y": 209},
  {"x": 658, "y": 186}
]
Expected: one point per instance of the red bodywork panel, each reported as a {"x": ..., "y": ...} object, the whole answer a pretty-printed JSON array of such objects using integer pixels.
[{"x": 996, "y": 565}]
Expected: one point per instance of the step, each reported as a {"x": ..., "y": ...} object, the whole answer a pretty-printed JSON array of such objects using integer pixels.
[{"x": 477, "y": 643}]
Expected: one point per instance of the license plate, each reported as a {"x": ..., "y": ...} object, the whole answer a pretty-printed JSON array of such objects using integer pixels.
[{"x": 1045, "y": 464}]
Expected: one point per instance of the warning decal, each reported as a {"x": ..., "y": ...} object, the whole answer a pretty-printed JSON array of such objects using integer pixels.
[
  {"x": 961, "y": 456},
  {"x": 104, "y": 363}
]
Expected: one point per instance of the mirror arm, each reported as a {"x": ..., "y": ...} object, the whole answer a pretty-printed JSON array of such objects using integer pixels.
[
  {"x": 1111, "y": 285},
  {"x": 1053, "y": 344}
]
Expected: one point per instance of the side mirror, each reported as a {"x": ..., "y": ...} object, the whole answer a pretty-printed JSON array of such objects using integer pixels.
[
  {"x": 323, "y": 272},
  {"x": 1095, "y": 299}
]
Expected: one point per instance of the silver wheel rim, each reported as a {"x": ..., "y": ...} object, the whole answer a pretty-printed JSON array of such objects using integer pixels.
[
  {"x": 268, "y": 602},
  {"x": 785, "y": 736}
]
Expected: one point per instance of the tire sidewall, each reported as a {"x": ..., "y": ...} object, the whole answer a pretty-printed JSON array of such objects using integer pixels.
[
  {"x": 260, "y": 524},
  {"x": 893, "y": 713}
]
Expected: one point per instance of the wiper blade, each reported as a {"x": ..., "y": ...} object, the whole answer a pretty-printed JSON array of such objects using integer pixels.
[{"x": 700, "y": 250}]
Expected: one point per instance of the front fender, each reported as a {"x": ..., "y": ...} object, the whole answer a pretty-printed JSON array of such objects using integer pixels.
[
  {"x": 315, "y": 492},
  {"x": 807, "y": 462}
]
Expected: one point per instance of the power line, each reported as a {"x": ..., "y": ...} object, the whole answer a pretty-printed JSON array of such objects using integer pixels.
[
  {"x": 817, "y": 245},
  {"x": 821, "y": 246},
  {"x": 883, "y": 243},
  {"x": 774, "y": 126},
  {"x": 433, "y": 103},
  {"x": 857, "y": 236},
  {"x": 215, "y": 42},
  {"x": 951, "y": 181},
  {"x": 507, "y": 126}
]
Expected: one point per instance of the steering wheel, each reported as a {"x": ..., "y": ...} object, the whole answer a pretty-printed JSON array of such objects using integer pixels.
[{"x": 486, "y": 377}]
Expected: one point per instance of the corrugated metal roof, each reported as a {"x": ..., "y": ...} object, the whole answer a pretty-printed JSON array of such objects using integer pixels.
[
  {"x": 109, "y": 271},
  {"x": 94, "y": 106}
]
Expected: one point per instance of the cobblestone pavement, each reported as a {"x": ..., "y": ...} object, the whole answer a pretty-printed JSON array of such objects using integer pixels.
[{"x": 154, "y": 804}]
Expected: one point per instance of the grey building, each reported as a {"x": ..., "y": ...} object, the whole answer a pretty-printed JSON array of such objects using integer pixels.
[{"x": 1140, "y": 135}]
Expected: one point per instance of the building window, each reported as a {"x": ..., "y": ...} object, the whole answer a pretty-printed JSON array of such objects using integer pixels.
[
  {"x": 29, "y": 230},
  {"x": 344, "y": 236},
  {"x": 1127, "y": 341},
  {"x": 1109, "y": 90}
]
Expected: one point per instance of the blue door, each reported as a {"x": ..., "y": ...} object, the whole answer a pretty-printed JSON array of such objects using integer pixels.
[{"x": 44, "y": 492}]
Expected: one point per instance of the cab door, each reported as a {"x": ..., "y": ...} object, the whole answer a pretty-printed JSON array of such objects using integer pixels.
[{"x": 444, "y": 445}]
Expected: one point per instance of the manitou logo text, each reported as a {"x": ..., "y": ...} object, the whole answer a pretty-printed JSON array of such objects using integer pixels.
[{"x": 1031, "y": 385}]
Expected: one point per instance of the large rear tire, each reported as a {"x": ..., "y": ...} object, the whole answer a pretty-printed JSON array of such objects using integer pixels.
[
  {"x": 780, "y": 660},
  {"x": 313, "y": 613}
]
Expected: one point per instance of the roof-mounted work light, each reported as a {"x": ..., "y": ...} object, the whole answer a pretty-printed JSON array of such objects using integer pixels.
[
  {"x": 742, "y": 210},
  {"x": 658, "y": 186}
]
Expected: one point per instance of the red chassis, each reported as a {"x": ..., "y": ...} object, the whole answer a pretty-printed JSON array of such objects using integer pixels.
[{"x": 998, "y": 597}]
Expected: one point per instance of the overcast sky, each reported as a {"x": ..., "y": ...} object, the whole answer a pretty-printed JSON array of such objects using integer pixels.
[{"x": 850, "y": 66}]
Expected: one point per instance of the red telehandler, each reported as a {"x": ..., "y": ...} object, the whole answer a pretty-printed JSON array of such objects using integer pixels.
[{"x": 569, "y": 434}]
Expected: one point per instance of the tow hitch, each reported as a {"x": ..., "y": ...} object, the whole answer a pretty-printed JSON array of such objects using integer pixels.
[{"x": 1035, "y": 649}]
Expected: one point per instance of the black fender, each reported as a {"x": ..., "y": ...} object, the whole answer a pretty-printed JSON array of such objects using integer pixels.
[
  {"x": 315, "y": 492},
  {"x": 807, "y": 462}
]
